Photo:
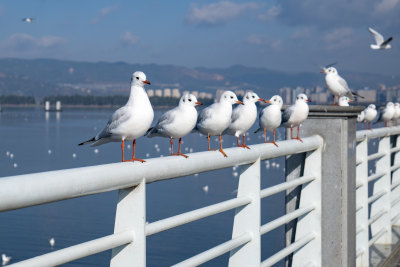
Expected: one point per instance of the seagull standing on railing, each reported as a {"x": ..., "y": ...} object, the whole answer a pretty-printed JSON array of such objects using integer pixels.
[
  {"x": 386, "y": 114},
  {"x": 337, "y": 85},
  {"x": 177, "y": 122},
  {"x": 243, "y": 117},
  {"x": 271, "y": 117},
  {"x": 344, "y": 101},
  {"x": 130, "y": 121},
  {"x": 380, "y": 42},
  {"x": 214, "y": 119},
  {"x": 396, "y": 115},
  {"x": 369, "y": 115},
  {"x": 296, "y": 114}
]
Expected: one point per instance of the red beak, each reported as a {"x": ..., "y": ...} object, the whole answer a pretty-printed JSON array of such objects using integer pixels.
[
  {"x": 323, "y": 71},
  {"x": 199, "y": 103},
  {"x": 262, "y": 100},
  {"x": 146, "y": 82},
  {"x": 308, "y": 100},
  {"x": 267, "y": 101},
  {"x": 239, "y": 102}
]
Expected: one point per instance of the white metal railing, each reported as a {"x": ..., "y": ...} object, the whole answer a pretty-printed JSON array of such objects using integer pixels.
[
  {"x": 128, "y": 242},
  {"x": 380, "y": 211}
]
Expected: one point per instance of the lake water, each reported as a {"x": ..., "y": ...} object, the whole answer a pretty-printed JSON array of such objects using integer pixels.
[{"x": 34, "y": 141}]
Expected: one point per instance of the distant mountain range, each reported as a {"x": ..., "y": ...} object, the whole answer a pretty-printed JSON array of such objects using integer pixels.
[{"x": 45, "y": 77}]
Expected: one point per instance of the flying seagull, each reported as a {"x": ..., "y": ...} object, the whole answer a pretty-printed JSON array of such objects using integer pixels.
[
  {"x": 29, "y": 20},
  {"x": 380, "y": 43}
]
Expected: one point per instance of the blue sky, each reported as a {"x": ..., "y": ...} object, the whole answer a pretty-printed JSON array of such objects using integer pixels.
[{"x": 287, "y": 35}]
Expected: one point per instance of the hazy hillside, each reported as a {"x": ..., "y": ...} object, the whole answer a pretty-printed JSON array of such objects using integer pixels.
[{"x": 41, "y": 77}]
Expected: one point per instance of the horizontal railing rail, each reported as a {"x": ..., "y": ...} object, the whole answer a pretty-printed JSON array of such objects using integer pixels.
[{"x": 39, "y": 188}]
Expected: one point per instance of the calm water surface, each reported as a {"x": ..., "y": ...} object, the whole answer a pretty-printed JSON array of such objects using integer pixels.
[{"x": 34, "y": 141}]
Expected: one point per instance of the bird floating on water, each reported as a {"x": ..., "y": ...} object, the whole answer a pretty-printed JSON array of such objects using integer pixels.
[
  {"x": 271, "y": 117},
  {"x": 130, "y": 121},
  {"x": 177, "y": 122},
  {"x": 243, "y": 117},
  {"x": 214, "y": 119},
  {"x": 295, "y": 115},
  {"x": 381, "y": 43}
]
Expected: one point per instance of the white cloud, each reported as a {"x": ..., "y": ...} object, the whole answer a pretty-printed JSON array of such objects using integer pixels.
[
  {"x": 105, "y": 11},
  {"x": 129, "y": 39},
  {"x": 385, "y": 6},
  {"x": 339, "y": 38},
  {"x": 271, "y": 13},
  {"x": 301, "y": 33},
  {"x": 261, "y": 40},
  {"x": 218, "y": 13},
  {"x": 25, "y": 42}
]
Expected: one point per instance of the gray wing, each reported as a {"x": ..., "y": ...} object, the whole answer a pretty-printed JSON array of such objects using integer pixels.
[
  {"x": 378, "y": 37},
  {"x": 119, "y": 116},
  {"x": 286, "y": 114},
  {"x": 205, "y": 114},
  {"x": 235, "y": 115}
]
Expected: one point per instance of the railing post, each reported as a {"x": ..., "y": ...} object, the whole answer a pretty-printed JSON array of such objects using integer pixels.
[
  {"x": 382, "y": 204},
  {"x": 337, "y": 126},
  {"x": 395, "y": 195},
  {"x": 247, "y": 218},
  {"x": 362, "y": 238},
  {"x": 310, "y": 195},
  {"x": 131, "y": 215}
]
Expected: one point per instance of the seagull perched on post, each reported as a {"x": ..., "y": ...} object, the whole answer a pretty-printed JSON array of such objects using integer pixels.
[
  {"x": 380, "y": 42},
  {"x": 177, "y": 122},
  {"x": 337, "y": 85},
  {"x": 130, "y": 121},
  {"x": 386, "y": 114},
  {"x": 243, "y": 117},
  {"x": 271, "y": 117},
  {"x": 213, "y": 120},
  {"x": 296, "y": 114}
]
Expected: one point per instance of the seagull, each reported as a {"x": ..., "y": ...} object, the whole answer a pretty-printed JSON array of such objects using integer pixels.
[
  {"x": 177, "y": 122},
  {"x": 337, "y": 85},
  {"x": 344, "y": 101},
  {"x": 296, "y": 114},
  {"x": 243, "y": 117},
  {"x": 29, "y": 20},
  {"x": 271, "y": 117},
  {"x": 386, "y": 114},
  {"x": 380, "y": 43},
  {"x": 369, "y": 115},
  {"x": 361, "y": 117},
  {"x": 130, "y": 121},
  {"x": 396, "y": 115},
  {"x": 5, "y": 259},
  {"x": 52, "y": 242},
  {"x": 214, "y": 119}
]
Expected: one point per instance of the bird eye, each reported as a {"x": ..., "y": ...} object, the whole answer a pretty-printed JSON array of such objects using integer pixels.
[
  {"x": 137, "y": 78},
  {"x": 190, "y": 100},
  {"x": 231, "y": 97},
  {"x": 253, "y": 96}
]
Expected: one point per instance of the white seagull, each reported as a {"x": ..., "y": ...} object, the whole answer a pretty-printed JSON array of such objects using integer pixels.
[
  {"x": 361, "y": 117},
  {"x": 177, "y": 122},
  {"x": 214, "y": 119},
  {"x": 337, "y": 85},
  {"x": 380, "y": 42},
  {"x": 396, "y": 115},
  {"x": 243, "y": 117},
  {"x": 271, "y": 117},
  {"x": 369, "y": 115},
  {"x": 52, "y": 242},
  {"x": 344, "y": 101},
  {"x": 386, "y": 114},
  {"x": 29, "y": 20},
  {"x": 296, "y": 114},
  {"x": 5, "y": 259},
  {"x": 130, "y": 121}
]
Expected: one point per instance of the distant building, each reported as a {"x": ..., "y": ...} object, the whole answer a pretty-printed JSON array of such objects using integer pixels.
[
  {"x": 176, "y": 93},
  {"x": 158, "y": 92},
  {"x": 167, "y": 92},
  {"x": 185, "y": 92},
  {"x": 369, "y": 96},
  {"x": 218, "y": 94},
  {"x": 195, "y": 93},
  {"x": 285, "y": 93},
  {"x": 240, "y": 93},
  {"x": 150, "y": 92}
]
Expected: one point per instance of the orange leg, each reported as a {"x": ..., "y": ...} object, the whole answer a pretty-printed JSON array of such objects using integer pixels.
[
  {"x": 298, "y": 133},
  {"x": 133, "y": 153},
  {"x": 274, "y": 140},
  {"x": 179, "y": 150},
  {"x": 220, "y": 146},
  {"x": 291, "y": 133},
  {"x": 209, "y": 144},
  {"x": 122, "y": 149},
  {"x": 244, "y": 143},
  {"x": 238, "y": 143}
]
